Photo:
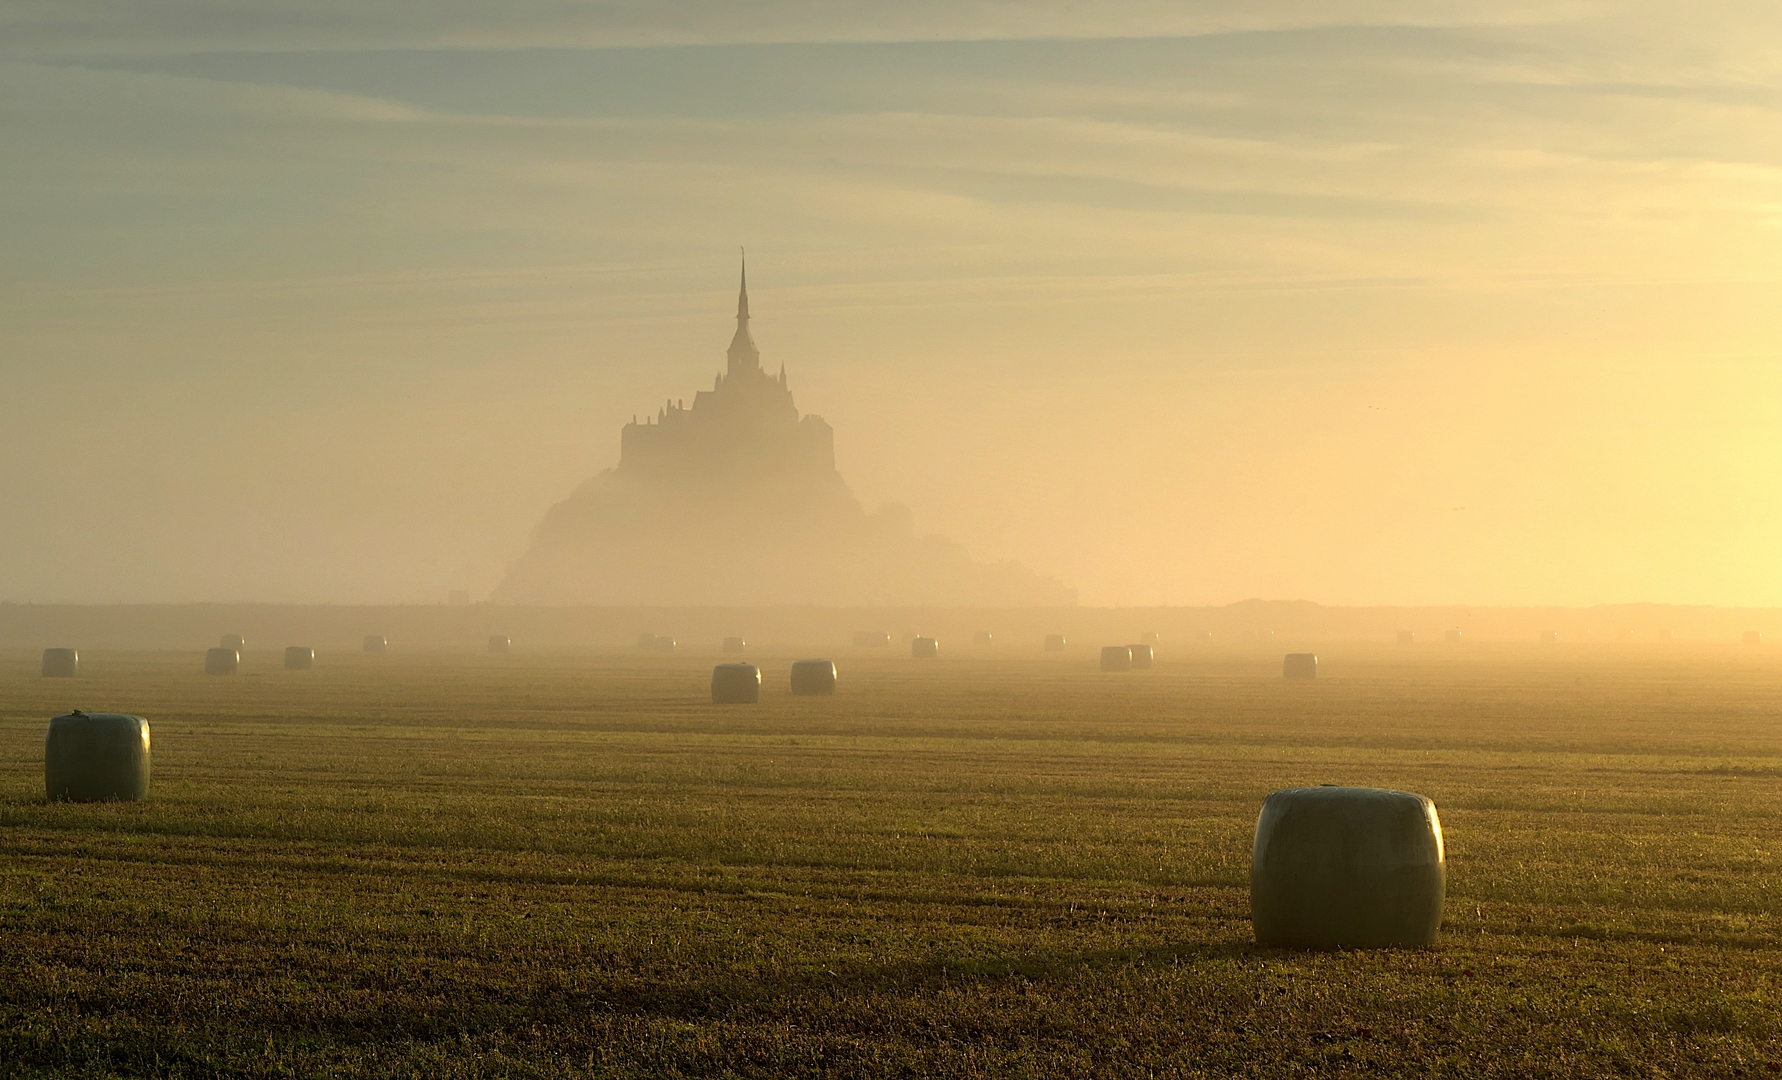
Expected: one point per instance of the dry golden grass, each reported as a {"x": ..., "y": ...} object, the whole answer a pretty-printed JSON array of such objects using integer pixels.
[{"x": 1002, "y": 863}]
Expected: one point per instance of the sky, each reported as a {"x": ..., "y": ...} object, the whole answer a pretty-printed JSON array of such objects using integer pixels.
[{"x": 1357, "y": 302}]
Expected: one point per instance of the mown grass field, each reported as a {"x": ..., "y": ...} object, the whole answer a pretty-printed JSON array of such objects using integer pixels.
[{"x": 1000, "y": 863}]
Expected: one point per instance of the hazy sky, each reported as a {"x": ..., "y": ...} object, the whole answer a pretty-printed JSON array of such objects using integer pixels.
[{"x": 1354, "y": 302}]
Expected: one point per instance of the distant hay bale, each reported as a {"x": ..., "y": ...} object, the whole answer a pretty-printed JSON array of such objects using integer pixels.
[
  {"x": 813, "y": 677},
  {"x": 664, "y": 643},
  {"x": 1347, "y": 868},
  {"x": 1752, "y": 637},
  {"x": 1453, "y": 637},
  {"x": 736, "y": 684},
  {"x": 1666, "y": 635},
  {"x": 376, "y": 643},
  {"x": 1116, "y": 658},
  {"x": 735, "y": 644},
  {"x": 1549, "y": 637},
  {"x": 221, "y": 662},
  {"x": 233, "y": 641},
  {"x": 982, "y": 637},
  {"x": 871, "y": 639},
  {"x": 1054, "y": 642},
  {"x": 499, "y": 643},
  {"x": 1148, "y": 639},
  {"x": 299, "y": 658},
  {"x": 924, "y": 648},
  {"x": 1141, "y": 657},
  {"x": 1407, "y": 637},
  {"x": 61, "y": 663},
  {"x": 91, "y": 757},
  {"x": 646, "y": 642},
  {"x": 1300, "y": 665}
]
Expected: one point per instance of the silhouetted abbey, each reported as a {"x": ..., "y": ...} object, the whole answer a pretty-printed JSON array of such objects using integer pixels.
[{"x": 736, "y": 501}]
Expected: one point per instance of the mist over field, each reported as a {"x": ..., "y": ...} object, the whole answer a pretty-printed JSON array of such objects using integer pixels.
[{"x": 1360, "y": 303}]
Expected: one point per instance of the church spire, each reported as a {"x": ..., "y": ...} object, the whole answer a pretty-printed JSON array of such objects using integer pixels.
[{"x": 744, "y": 357}]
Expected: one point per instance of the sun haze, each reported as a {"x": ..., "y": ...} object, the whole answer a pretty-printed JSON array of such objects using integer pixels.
[{"x": 1358, "y": 302}]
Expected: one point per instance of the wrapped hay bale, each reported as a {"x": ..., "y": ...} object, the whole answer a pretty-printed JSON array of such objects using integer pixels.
[
  {"x": 1347, "y": 868},
  {"x": 1141, "y": 657},
  {"x": 92, "y": 757},
  {"x": 1549, "y": 637},
  {"x": 221, "y": 662},
  {"x": 1407, "y": 637},
  {"x": 499, "y": 643},
  {"x": 736, "y": 684},
  {"x": 924, "y": 648},
  {"x": 646, "y": 642},
  {"x": 871, "y": 639},
  {"x": 1148, "y": 639},
  {"x": 982, "y": 637},
  {"x": 1116, "y": 658},
  {"x": 1454, "y": 637},
  {"x": 664, "y": 643},
  {"x": 299, "y": 658},
  {"x": 61, "y": 663},
  {"x": 232, "y": 641},
  {"x": 1054, "y": 642},
  {"x": 376, "y": 643},
  {"x": 813, "y": 677},
  {"x": 1752, "y": 637},
  {"x": 1300, "y": 665},
  {"x": 735, "y": 644}
]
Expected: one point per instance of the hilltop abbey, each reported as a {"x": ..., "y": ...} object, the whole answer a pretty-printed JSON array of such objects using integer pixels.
[{"x": 737, "y": 501}]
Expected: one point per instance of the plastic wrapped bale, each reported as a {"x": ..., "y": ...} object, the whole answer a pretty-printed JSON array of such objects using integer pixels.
[
  {"x": 91, "y": 757},
  {"x": 1054, "y": 642},
  {"x": 982, "y": 637},
  {"x": 221, "y": 662},
  {"x": 1549, "y": 637},
  {"x": 376, "y": 643},
  {"x": 735, "y": 644},
  {"x": 61, "y": 663},
  {"x": 499, "y": 643},
  {"x": 232, "y": 641},
  {"x": 1148, "y": 639},
  {"x": 1141, "y": 657},
  {"x": 646, "y": 642},
  {"x": 1300, "y": 665},
  {"x": 299, "y": 658},
  {"x": 664, "y": 643},
  {"x": 813, "y": 677},
  {"x": 1752, "y": 637},
  {"x": 1454, "y": 637},
  {"x": 924, "y": 648},
  {"x": 1116, "y": 658},
  {"x": 1347, "y": 868},
  {"x": 1407, "y": 637},
  {"x": 871, "y": 639},
  {"x": 736, "y": 684}
]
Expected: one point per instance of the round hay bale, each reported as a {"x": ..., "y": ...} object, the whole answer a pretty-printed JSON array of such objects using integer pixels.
[
  {"x": 735, "y": 644},
  {"x": 982, "y": 637},
  {"x": 221, "y": 662},
  {"x": 61, "y": 663},
  {"x": 1148, "y": 639},
  {"x": 664, "y": 643},
  {"x": 646, "y": 642},
  {"x": 1300, "y": 665},
  {"x": 92, "y": 757},
  {"x": 1054, "y": 642},
  {"x": 299, "y": 658},
  {"x": 736, "y": 684},
  {"x": 924, "y": 648},
  {"x": 1666, "y": 635},
  {"x": 1116, "y": 658},
  {"x": 1752, "y": 637},
  {"x": 1347, "y": 868},
  {"x": 376, "y": 643},
  {"x": 1453, "y": 637},
  {"x": 1141, "y": 657},
  {"x": 1407, "y": 637},
  {"x": 871, "y": 639},
  {"x": 814, "y": 677},
  {"x": 232, "y": 641},
  {"x": 1549, "y": 637},
  {"x": 499, "y": 643}
]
